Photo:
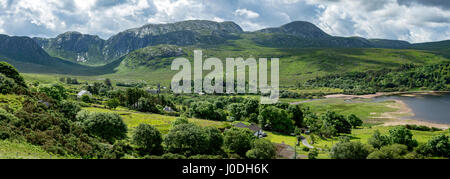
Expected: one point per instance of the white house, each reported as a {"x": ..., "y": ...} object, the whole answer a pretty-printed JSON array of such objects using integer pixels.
[{"x": 83, "y": 92}]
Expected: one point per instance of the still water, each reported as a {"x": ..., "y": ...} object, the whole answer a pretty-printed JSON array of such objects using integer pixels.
[{"x": 432, "y": 108}]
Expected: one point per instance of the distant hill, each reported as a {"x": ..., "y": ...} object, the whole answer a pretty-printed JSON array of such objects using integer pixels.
[
  {"x": 92, "y": 50},
  {"x": 27, "y": 56},
  {"x": 76, "y": 47}
]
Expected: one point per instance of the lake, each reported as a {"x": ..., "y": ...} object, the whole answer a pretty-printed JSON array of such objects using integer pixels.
[{"x": 427, "y": 107}]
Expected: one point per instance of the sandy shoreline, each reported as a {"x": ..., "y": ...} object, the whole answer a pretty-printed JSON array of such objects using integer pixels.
[{"x": 403, "y": 114}]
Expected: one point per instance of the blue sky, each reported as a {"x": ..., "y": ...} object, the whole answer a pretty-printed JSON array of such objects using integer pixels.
[{"x": 411, "y": 20}]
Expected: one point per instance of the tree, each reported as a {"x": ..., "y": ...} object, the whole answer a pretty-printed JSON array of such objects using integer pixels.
[
  {"x": 86, "y": 98},
  {"x": 401, "y": 135},
  {"x": 179, "y": 121},
  {"x": 313, "y": 154},
  {"x": 377, "y": 140},
  {"x": 113, "y": 103},
  {"x": 56, "y": 92},
  {"x": 70, "y": 109},
  {"x": 215, "y": 140},
  {"x": 237, "y": 111},
  {"x": 11, "y": 72},
  {"x": 148, "y": 138},
  {"x": 251, "y": 109},
  {"x": 354, "y": 121},
  {"x": 187, "y": 139},
  {"x": 108, "y": 82},
  {"x": 296, "y": 114},
  {"x": 395, "y": 151},
  {"x": 275, "y": 119},
  {"x": 262, "y": 149},
  {"x": 339, "y": 122},
  {"x": 238, "y": 140},
  {"x": 438, "y": 146},
  {"x": 349, "y": 150},
  {"x": 107, "y": 126}
]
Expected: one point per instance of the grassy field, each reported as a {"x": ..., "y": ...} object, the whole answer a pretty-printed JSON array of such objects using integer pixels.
[
  {"x": 162, "y": 123},
  {"x": 19, "y": 150}
]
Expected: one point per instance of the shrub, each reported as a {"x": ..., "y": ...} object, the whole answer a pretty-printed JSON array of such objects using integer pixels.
[
  {"x": 83, "y": 115},
  {"x": 179, "y": 121},
  {"x": 339, "y": 122},
  {"x": 262, "y": 149},
  {"x": 349, "y": 150},
  {"x": 107, "y": 126},
  {"x": 70, "y": 109},
  {"x": 354, "y": 121},
  {"x": 276, "y": 119},
  {"x": 7, "y": 117},
  {"x": 171, "y": 156},
  {"x": 148, "y": 138},
  {"x": 86, "y": 98},
  {"x": 238, "y": 140},
  {"x": 313, "y": 154},
  {"x": 187, "y": 139},
  {"x": 395, "y": 151},
  {"x": 438, "y": 146},
  {"x": 113, "y": 103},
  {"x": 377, "y": 140},
  {"x": 11, "y": 72},
  {"x": 401, "y": 135}
]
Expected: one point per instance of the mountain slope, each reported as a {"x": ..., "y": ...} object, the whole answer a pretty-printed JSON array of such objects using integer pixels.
[
  {"x": 27, "y": 56},
  {"x": 299, "y": 29},
  {"x": 181, "y": 33},
  {"x": 76, "y": 47}
]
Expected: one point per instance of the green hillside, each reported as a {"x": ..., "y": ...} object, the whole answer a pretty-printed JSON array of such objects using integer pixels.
[{"x": 296, "y": 64}]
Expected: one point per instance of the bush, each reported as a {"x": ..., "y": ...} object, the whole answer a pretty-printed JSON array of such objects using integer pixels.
[
  {"x": 55, "y": 91},
  {"x": 438, "y": 146},
  {"x": 70, "y": 109},
  {"x": 354, "y": 121},
  {"x": 107, "y": 126},
  {"x": 401, "y": 135},
  {"x": 113, "y": 103},
  {"x": 238, "y": 140},
  {"x": 11, "y": 72},
  {"x": 276, "y": 119},
  {"x": 349, "y": 150},
  {"x": 86, "y": 98},
  {"x": 171, "y": 156},
  {"x": 377, "y": 140},
  {"x": 395, "y": 151},
  {"x": 148, "y": 138},
  {"x": 262, "y": 149},
  {"x": 313, "y": 154},
  {"x": 7, "y": 117},
  {"x": 179, "y": 121},
  {"x": 339, "y": 122},
  {"x": 187, "y": 139},
  {"x": 82, "y": 116}
]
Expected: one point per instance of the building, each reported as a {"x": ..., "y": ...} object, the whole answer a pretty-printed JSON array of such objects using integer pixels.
[
  {"x": 83, "y": 92},
  {"x": 258, "y": 132}
]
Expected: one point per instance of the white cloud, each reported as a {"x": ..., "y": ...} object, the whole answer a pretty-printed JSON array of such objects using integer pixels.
[
  {"x": 246, "y": 13},
  {"x": 416, "y": 22}
]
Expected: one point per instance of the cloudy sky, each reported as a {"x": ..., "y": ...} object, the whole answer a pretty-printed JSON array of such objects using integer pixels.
[{"x": 411, "y": 20}]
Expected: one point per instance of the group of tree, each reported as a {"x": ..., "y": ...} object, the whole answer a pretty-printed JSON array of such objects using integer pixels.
[
  {"x": 434, "y": 77},
  {"x": 398, "y": 144},
  {"x": 332, "y": 124}
]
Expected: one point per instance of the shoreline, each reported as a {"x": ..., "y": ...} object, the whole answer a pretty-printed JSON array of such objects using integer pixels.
[
  {"x": 403, "y": 117},
  {"x": 379, "y": 94},
  {"x": 403, "y": 114}
]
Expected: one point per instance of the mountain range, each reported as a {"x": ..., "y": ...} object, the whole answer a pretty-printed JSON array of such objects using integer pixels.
[{"x": 91, "y": 54}]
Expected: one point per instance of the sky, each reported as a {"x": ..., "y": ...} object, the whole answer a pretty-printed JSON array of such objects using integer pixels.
[{"x": 410, "y": 20}]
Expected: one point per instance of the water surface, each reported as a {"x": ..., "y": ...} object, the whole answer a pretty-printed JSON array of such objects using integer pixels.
[{"x": 426, "y": 107}]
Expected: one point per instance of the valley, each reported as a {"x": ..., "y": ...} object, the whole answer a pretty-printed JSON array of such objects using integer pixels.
[{"x": 75, "y": 83}]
